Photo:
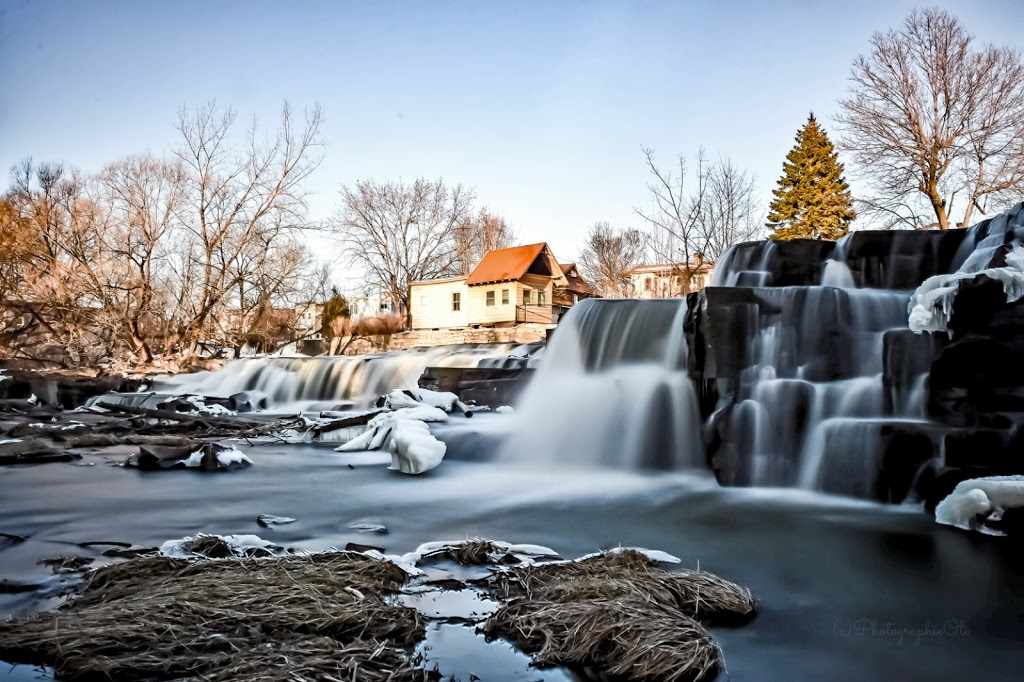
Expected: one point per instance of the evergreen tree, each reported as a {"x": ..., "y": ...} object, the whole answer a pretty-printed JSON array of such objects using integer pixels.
[
  {"x": 813, "y": 200},
  {"x": 335, "y": 308}
]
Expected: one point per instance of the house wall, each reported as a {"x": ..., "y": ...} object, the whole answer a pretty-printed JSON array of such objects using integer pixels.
[
  {"x": 498, "y": 314},
  {"x": 663, "y": 284},
  {"x": 431, "y": 304},
  {"x": 535, "y": 283}
]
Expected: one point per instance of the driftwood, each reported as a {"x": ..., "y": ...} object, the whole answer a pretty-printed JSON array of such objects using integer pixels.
[
  {"x": 99, "y": 440},
  {"x": 171, "y": 415},
  {"x": 18, "y": 406},
  {"x": 32, "y": 451},
  {"x": 463, "y": 408},
  {"x": 358, "y": 420}
]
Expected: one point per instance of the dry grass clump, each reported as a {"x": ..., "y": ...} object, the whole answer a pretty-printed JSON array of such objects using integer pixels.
[
  {"x": 474, "y": 552},
  {"x": 297, "y": 617},
  {"x": 378, "y": 325},
  {"x": 216, "y": 547},
  {"x": 625, "y": 638},
  {"x": 619, "y": 614}
]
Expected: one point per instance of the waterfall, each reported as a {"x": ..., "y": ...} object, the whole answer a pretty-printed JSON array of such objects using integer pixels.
[
  {"x": 304, "y": 383},
  {"x": 613, "y": 390}
]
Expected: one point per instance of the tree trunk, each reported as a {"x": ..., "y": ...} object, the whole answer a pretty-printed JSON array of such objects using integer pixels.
[{"x": 939, "y": 206}]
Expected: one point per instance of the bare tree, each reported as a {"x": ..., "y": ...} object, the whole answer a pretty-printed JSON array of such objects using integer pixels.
[
  {"x": 142, "y": 197},
  {"x": 400, "y": 233},
  {"x": 479, "y": 234},
  {"x": 608, "y": 257},
  {"x": 241, "y": 203},
  {"x": 935, "y": 123},
  {"x": 696, "y": 216},
  {"x": 57, "y": 222}
]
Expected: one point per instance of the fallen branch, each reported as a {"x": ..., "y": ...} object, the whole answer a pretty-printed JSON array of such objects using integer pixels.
[{"x": 171, "y": 415}]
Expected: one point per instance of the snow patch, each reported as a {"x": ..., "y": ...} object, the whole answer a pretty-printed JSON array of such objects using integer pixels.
[{"x": 505, "y": 409}]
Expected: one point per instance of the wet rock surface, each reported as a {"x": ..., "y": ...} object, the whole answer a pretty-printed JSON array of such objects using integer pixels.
[{"x": 840, "y": 377}]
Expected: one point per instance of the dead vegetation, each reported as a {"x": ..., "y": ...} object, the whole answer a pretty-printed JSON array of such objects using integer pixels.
[
  {"x": 299, "y": 617},
  {"x": 475, "y": 552},
  {"x": 619, "y": 614},
  {"x": 613, "y": 616}
]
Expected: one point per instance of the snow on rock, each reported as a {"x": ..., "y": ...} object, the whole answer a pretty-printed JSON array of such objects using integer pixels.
[
  {"x": 974, "y": 501},
  {"x": 421, "y": 396},
  {"x": 655, "y": 555},
  {"x": 233, "y": 457},
  {"x": 932, "y": 303},
  {"x": 525, "y": 553},
  {"x": 198, "y": 546},
  {"x": 200, "y": 407},
  {"x": 7, "y": 441},
  {"x": 227, "y": 458},
  {"x": 413, "y": 449},
  {"x": 401, "y": 428},
  {"x": 209, "y": 457},
  {"x": 505, "y": 409}
]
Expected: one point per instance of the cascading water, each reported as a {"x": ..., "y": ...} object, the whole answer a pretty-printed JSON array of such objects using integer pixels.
[
  {"x": 827, "y": 382},
  {"x": 315, "y": 383},
  {"x": 613, "y": 390}
]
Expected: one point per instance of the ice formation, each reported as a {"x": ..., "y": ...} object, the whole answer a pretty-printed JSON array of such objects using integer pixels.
[
  {"x": 403, "y": 429},
  {"x": 974, "y": 501},
  {"x": 932, "y": 303}
]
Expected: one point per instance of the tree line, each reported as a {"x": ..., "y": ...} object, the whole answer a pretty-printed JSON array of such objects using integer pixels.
[
  {"x": 203, "y": 247},
  {"x": 933, "y": 122}
]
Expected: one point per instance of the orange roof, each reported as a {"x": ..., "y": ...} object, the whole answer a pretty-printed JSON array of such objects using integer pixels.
[{"x": 505, "y": 265}]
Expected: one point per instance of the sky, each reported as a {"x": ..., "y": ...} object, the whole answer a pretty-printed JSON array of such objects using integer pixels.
[{"x": 543, "y": 107}]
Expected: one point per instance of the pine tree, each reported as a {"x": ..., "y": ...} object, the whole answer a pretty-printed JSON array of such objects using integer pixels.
[{"x": 813, "y": 200}]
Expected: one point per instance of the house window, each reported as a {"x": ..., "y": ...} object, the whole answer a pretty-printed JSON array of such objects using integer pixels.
[
  {"x": 456, "y": 301},
  {"x": 648, "y": 284},
  {"x": 504, "y": 296},
  {"x": 540, "y": 298},
  {"x": 490, "y": 298},
  {"x": 424, "y": 302},
  {"x": 526, "y": 297}
]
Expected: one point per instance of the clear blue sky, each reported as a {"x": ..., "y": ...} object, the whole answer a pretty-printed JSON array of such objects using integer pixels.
[{"x": 541, "y": 106}]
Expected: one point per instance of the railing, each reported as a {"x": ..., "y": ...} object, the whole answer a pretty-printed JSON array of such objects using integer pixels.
[{"x": 538, "y": 314}]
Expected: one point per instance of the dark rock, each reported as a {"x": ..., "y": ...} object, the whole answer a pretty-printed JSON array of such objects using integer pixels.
[
  {"x": 32, "y": 451},
  {"x": 159, "y": 458},
  {"x": 935, "y": 487},
  {"x": 267, "y": 520},
  {"x": 356, "y": 547},
  {"x": 900, "y": 259},
  {"x": 1011, "y": 523},
  {"x": 492, "y": 386},
  {"x": 12, "y": 587}
]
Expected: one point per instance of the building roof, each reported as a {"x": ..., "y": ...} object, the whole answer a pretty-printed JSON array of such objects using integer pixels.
[
  {"x": 440, "y": 280},
  {"x": 576, "y": 282},
  {"x": 505, "y": 265}
]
